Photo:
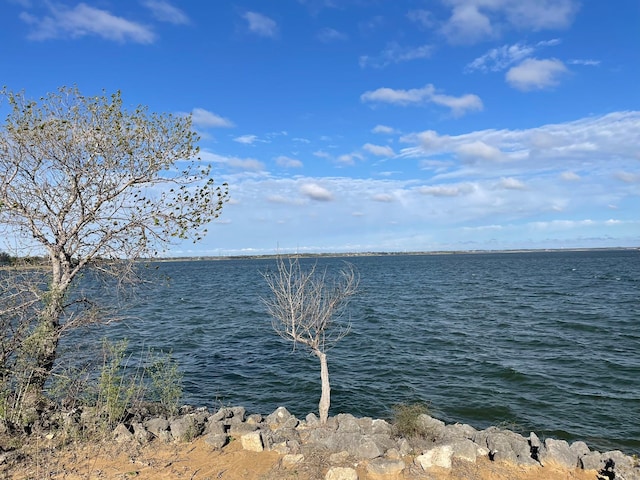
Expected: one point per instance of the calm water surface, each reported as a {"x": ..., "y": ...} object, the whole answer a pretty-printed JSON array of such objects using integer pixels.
[{"x": 548, "y": 342}]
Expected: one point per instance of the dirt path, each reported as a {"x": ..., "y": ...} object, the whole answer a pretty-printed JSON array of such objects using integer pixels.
[{"x": 198, "y": 461}]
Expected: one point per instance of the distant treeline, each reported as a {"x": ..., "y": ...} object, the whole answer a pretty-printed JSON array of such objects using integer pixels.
[{"x": 6, "y": 259}]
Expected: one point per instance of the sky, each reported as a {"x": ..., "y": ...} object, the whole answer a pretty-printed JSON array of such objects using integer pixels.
[{"x": 372, "y": 125}]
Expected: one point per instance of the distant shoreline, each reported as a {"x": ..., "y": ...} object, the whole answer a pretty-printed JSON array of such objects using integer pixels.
[{"x": 382, "y": 254}]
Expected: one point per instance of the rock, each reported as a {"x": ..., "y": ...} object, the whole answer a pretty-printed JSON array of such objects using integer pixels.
[
  {"x": 385, "y": 466},
  {"x": 254, "y": 419},
  {"x": 215, "y": 427},
  {"x": 347, "y": 423},
  {"x": 187, "y": 427},
  {"x": 535, "y": 444},
  {"x": 312, "y": 420},
  {"x": 439, "y": 456},
  {"x": 591, "y": 461},
  {"x": 341, "y": 473},
  {"x": 338, "y": 458},
  {"x": 381, "y": 427},
  {"x": 229, "y": 415},
  {"x": 431, "y": 427},
  {"x": 292, "y": 459},
  {"x": 404, "y": 447},
  {"x": 280, "y": 416},
  {"x": 216, "y": 440},
  {"x": 121, "y": 434},
  {"x": 558, "y": 452},
  {"x": 239, "y": 429},
  {"x": 505, "y": 446},
  {"x": 252, "y": 442},
  {"x": 622, "y": 466},
  {"x": 465, "y": 450},
  {"x": 156, "y": 425},
  {"x": 367, "y": 448},
  {"x": 459, "y": 431},
  {"x": 141, "y": 434},
  {"x": 579, "y": 448}
]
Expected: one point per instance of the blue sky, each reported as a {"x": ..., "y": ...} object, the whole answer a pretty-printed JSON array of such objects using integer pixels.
[{"x": 372, "y": 125}]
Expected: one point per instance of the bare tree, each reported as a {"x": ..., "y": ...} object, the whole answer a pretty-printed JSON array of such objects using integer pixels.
[
  {"x": 306, "y": 308},
  {"x": 92, "y": 185}
]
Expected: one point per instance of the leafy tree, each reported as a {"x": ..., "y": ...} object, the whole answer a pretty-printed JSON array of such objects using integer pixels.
[
  {"x": 94, "y": 186},
  {"x": 306, "y": 308}
]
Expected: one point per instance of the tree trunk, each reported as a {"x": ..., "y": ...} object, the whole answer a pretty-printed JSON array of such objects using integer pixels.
[
  {"x": 325, "y": 398},
  {"x": 38, "y": 353}
]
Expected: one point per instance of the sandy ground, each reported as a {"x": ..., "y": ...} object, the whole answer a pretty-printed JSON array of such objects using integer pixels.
[{"x": 198, "y": 461}]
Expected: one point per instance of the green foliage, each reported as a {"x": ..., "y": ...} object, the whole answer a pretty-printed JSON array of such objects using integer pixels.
[
  {"x": 406, "y": 419},
  {"x": 117, "y": 391},
  {"x": 166, "y": 381}
]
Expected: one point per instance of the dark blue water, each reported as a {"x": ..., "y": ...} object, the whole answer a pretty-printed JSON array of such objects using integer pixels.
[{"x": 543, "y": 341}]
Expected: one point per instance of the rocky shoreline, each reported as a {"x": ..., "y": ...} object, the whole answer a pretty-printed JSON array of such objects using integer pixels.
[{"x": 372, "y": 442}]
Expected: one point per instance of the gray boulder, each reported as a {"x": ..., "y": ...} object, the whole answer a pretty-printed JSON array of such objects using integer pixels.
[
  {"x": 558, "y": 452},
  {"x": 505, "y": 446}
]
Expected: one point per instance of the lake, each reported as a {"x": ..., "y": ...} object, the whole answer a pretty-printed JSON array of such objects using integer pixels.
[{"x": 539, "y": 341}]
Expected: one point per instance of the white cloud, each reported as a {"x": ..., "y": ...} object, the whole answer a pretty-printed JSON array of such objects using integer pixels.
[
  {"x": 378, "y": 150},
  {"x": 322, "y": 154},
  {"x": 587, "y": 63},
  {"x": 570, "y": 176},
  {"x": 534, "y": 74},
  {"x": 500, "y": 58},
  {"x": 479, "y": 150},
  {"x": 246, "y": 139},
  {"x": 394, "y": 53},
  {"x": 447, "y": 190},
  {"x": 383, "y": 129},
  {"x": 511, "y": 183},
  {"x": 422, "y": 17},
  {"x": 467, "y": 24},
  {"x": 419, "y": 96},
  {"x": 316, "y": 192},
  {"x": 83, "y": 20},
  {"x": 628, "y": 177},
  {"x": 288, "y": 162},
  {"x": 349, "y": 158},
  {"x": 472, "y": 21},
  {"x": 165, "y": 12},
  {"x": 248, "y": 164},
  {"x": 206, "y": 119},
  {"x": 328, "y": 35},
  {"x": 235, "y": 163},
  {"x": 261, "y": 24},
  {"x": 383, "y": 197}
]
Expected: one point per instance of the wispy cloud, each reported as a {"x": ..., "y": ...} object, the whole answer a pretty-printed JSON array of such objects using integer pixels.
[
  {"x": 205, "y": 119},
  {"x": 383, "y": 129},
  {"x": 503, "y": 57},
  {"x": 420, "y": 96},
  {"x": 84, "y": 20},
  {"x": 246, "y": 139},
  {"x": 379, "y": 150},
  {"x": 394, "y": 53},
  {"x": 328, "y": 35},
  {"x": 165, "y": 12},
  {"x": 261, "y": 24},
  {"x": 288, "y": 162}
]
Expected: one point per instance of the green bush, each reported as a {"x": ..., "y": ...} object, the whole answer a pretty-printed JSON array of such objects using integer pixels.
[
  {"x": 166, "y": 381},
  {"x": 405, "y": 419}
]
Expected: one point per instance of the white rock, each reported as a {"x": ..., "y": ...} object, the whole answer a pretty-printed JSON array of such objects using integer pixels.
[
  {"x": 252, "y": 442},
  {"x": 341, "y": 473}
]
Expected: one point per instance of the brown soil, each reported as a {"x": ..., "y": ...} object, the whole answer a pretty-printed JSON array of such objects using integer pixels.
[{"x": 198, "y": 461}]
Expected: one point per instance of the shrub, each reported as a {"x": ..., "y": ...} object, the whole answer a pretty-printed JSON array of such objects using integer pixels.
[{"x": 406, "y": 419}]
